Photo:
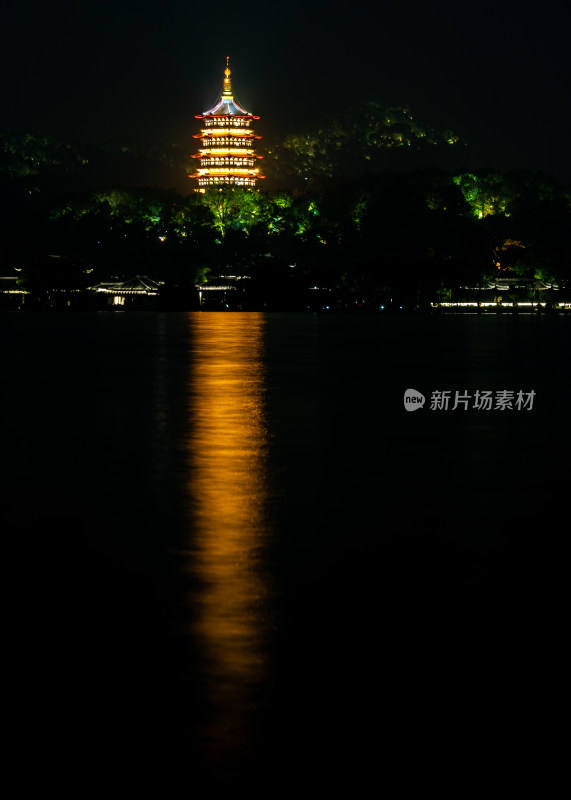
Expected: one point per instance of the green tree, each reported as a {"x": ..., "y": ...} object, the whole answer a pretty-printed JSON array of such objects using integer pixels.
[
  {"x": 234, "y": 208},
  {"x": 484, "y": 193}
]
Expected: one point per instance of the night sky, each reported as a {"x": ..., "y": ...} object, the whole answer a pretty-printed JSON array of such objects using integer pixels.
[{"x": 495, "y": 73}]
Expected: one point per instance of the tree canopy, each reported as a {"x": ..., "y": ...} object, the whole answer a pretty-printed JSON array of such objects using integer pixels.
[{"x": 416, "y": 233}]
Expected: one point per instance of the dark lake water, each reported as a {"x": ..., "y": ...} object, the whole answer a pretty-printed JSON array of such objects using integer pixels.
[{"x": 231, "y": 552}]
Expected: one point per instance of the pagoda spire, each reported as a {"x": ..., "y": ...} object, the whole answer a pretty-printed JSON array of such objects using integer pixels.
[{"x": 227, "y": 90}]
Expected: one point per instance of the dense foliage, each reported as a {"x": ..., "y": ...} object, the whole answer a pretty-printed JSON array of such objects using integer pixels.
[
  {"x": 22, "y": 155},
  {"x": 353, "y": 140},
  {"x": 409, "y": 236}
]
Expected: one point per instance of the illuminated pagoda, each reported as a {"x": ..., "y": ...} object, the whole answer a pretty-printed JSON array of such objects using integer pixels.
[{"x": 227, "y": 156}]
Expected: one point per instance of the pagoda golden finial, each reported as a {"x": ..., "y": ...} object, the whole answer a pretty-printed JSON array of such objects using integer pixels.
[{"x": 227, "y": 73}]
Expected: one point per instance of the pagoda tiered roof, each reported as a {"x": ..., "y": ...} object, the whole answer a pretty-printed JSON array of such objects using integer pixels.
[
  {"x": 226, "y": 107},
  {"x": 244, "y": 133}
]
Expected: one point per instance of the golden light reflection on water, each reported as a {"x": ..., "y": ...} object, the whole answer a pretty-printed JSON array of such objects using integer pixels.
[{"x": 228, "y": 490}]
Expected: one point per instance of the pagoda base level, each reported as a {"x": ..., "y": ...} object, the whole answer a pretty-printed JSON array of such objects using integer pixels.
[{"x": 227, "y": 181}]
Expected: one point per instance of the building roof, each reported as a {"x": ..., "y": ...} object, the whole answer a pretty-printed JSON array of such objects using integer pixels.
[
  {"x": 138, "y": 285},
  {"x": 226, "y": 105},
  {"x": 504, "y": 283}
]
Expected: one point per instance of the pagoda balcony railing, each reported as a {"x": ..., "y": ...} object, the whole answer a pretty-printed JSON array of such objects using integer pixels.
[
  {"x": 226, "y": 179},
  {"x": 229, "y": 130},
  {"x": 224, "y": 123},
  {"x": 237, "y": 141},
  {"x": 222, "y": 162}
]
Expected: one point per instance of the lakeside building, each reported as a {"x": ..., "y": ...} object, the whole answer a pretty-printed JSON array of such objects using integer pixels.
[
  {"x": 227, "y": 155},
  {"x": 222, "y": 292},
  {"x": 138, "y": 292},
  {"x": 504, "y": 292},
  {"x": 12, "y": 295}
]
